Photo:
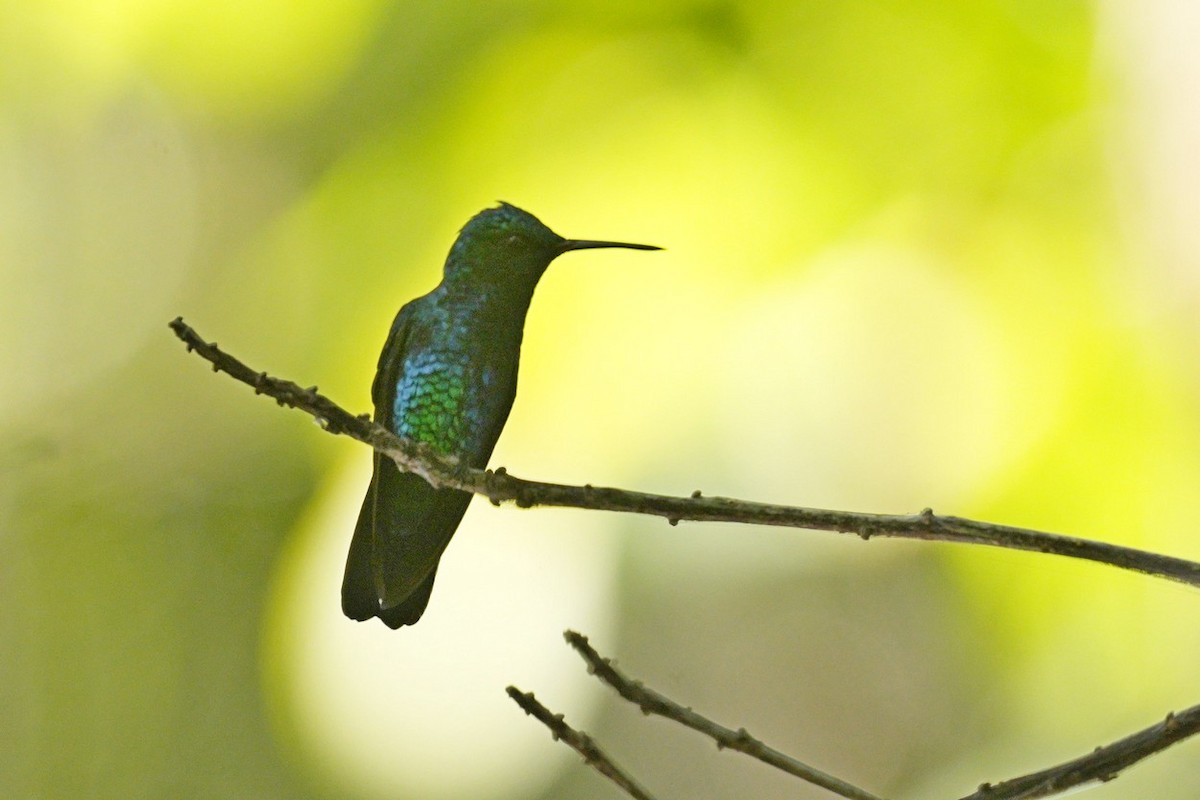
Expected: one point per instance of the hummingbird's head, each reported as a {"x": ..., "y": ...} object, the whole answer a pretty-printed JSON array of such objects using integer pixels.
[
  {"x": 510, "y": 243},
  {"x": 509, "y": 236}
]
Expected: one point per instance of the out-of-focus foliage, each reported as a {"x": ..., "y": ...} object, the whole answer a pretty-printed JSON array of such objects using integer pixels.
[{"x": 919, "y": 254}]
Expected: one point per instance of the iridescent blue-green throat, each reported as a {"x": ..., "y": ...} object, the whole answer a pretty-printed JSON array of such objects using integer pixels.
[{"x": 447, "y": 376}]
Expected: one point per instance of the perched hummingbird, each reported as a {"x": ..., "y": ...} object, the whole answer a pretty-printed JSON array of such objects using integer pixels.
[{"x": 447, "y": 377}]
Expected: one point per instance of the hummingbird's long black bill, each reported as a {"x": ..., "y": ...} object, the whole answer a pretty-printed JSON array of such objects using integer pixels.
[{"x": 591, "y": 244}]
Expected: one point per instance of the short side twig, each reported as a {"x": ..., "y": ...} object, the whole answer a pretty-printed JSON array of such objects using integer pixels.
[
  {"x": 652, "y": 702},
  {"x": 500, "y": 487},
  {"x": 580, "y": 742},
  {"x": 1102, "y": 764}
]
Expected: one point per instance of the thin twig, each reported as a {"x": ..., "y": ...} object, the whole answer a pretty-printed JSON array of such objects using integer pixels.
[
  {"x": 580, "y": 742},
  {"x": 500, "y": 487},
  {"x": 652, "y": 702},
  {"x": 1101, "y": 765}
]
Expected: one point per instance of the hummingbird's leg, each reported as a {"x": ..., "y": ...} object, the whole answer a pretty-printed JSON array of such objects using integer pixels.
[{"x": 462, "y": 468}]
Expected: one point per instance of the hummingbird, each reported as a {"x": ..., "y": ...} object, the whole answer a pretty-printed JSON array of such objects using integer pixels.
[{"x": 447, "y": 377}]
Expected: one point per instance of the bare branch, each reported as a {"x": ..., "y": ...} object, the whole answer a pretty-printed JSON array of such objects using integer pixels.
[
  {"x": 651, "y": 702},
  {"x": 1102, "y": 764},
  {"x": 500, "y": 487},
  {"x": 580, "y": 742}
]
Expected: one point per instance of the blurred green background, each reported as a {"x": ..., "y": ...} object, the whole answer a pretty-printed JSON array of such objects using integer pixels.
[{"x": 919, "y": 254}]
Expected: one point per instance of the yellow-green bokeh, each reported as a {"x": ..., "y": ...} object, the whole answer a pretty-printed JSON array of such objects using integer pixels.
[{"x": 918, "y": 254}]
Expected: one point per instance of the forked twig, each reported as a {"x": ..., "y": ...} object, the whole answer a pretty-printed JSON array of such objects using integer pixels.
[{"x": 1100, "y": 765}]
